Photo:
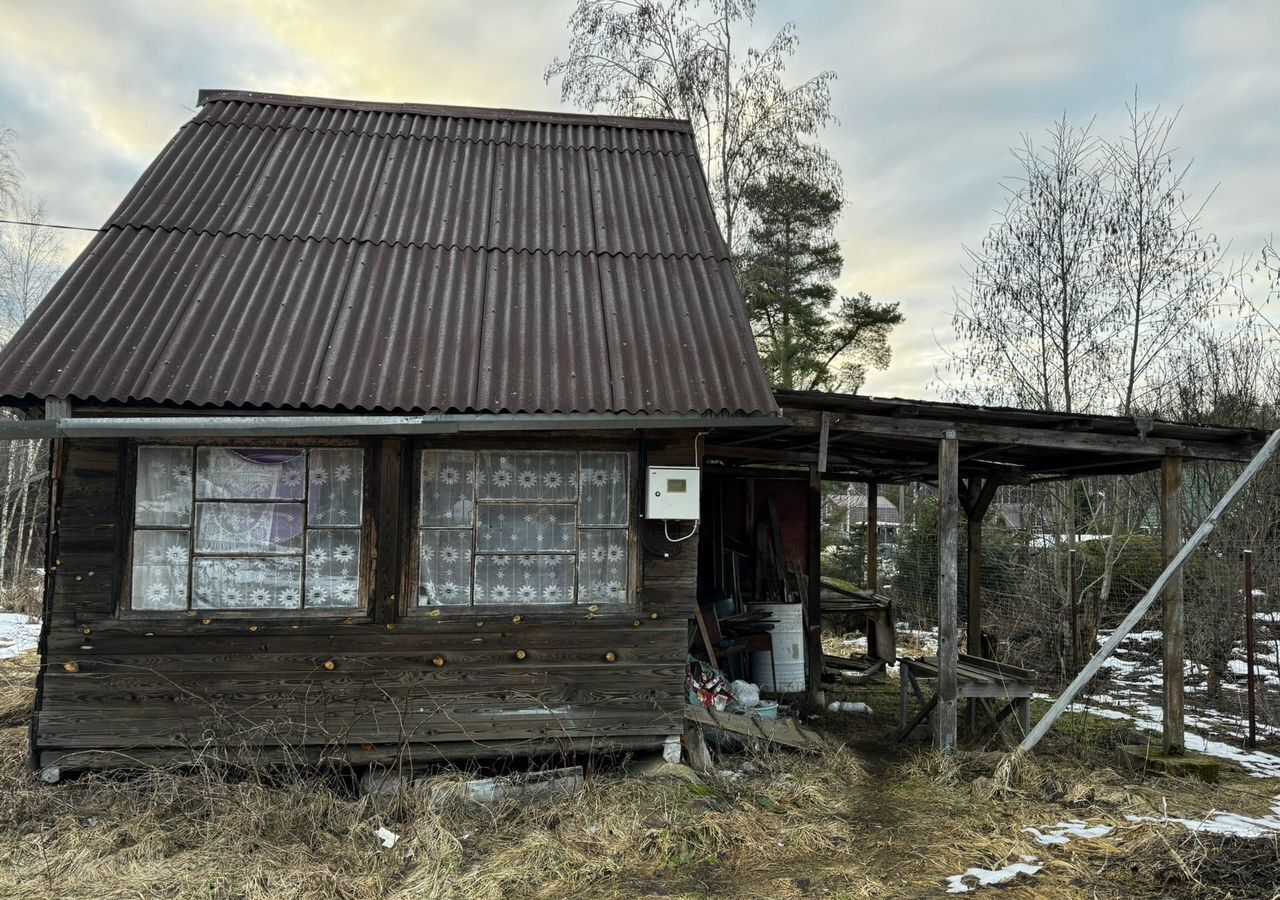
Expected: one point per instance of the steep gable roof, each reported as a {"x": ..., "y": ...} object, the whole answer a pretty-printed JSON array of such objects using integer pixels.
[{"x": 302, "y": 253}]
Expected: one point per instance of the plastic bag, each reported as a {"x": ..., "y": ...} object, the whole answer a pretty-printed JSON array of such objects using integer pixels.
[{"x": 745, "y": 694}]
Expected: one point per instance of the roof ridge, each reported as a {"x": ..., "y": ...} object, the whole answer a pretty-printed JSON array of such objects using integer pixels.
[
  {"x": 655, "y": 150},
  {"x": 420, "y": 245},
  {"x": 207, "y": 95}
]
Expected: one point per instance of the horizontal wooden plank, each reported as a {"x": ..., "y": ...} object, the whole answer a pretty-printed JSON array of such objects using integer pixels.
[
  {"x": 304, "y": 691},
  {"x": 301, "y": 663},
  {"x": 404, "y": 754},
  {"x": 82, "y": 731},
  {"x": 373, "y": 639}
]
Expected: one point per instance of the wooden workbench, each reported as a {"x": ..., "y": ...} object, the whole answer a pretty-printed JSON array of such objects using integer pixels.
[{"x": 977, "y": 679}]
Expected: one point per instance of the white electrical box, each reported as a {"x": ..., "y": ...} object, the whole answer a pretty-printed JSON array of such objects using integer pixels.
[{"x": 673, "y": 493}]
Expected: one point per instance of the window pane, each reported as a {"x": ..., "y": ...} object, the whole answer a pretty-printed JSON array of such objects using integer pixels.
[
  {"x": 234, "y": 583},
  {"x": 604, "y": 489},
  {"x": 540, "y": 475},
  {"x": 448, "y": 486},
  {"x": 525, "y": 527},
  {"x": 602, "y": 560},
  {"x": 444, "y": 567},
  {"x": 160, "y": 560},
  {"x": 524, "y": 579},
  {"x": 333, "y": 568},
  {"x": 225, "y": 473},
  {"x": 249, "y": 528},
  {"x": 163, "y": 495},
  {"x": 336, "y": 490}
]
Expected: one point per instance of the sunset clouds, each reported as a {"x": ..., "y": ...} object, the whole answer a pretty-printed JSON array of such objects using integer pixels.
[{"x": 930, "y": 97}]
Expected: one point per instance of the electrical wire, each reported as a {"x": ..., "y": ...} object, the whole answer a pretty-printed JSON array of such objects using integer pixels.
[{"x": 48, "y": 225}]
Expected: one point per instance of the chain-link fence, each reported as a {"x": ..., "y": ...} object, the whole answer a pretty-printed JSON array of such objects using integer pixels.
[{"x": 1107, "y": 532}]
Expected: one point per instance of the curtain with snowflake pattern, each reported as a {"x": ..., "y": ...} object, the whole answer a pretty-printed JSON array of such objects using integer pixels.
[
  {"x": 269, "y": 528},
  {"x": 514, "y": 528}
]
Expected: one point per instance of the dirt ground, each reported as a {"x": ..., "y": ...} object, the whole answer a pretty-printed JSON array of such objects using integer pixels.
[{"x": 868, "y": 818}]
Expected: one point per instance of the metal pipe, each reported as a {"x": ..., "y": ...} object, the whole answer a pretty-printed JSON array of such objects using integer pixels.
[
  {"x": 1248, "y": 646},
  {"x": 287, "y": 425}
]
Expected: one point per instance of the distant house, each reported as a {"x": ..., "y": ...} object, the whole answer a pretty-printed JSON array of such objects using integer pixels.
[
  {"x": 355, "y": 403},
  {"x": 851, "y": 508}
]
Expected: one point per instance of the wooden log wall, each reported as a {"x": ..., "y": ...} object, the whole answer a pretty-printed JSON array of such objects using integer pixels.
[{"x": 375, "y": 687}]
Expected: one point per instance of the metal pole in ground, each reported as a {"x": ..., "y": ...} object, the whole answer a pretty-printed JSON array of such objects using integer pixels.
[
  {"x": 1248, "y": 646},
  {"x": 1075, "y": 611}
]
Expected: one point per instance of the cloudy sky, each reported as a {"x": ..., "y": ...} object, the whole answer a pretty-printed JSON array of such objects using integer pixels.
[{"x": 930, "y": 97}]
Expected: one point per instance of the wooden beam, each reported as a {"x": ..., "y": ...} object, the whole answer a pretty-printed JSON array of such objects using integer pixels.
[
  {"x": 1149, "y": 598},
  {"x": 787, "y": 731},
  {"x": 948, "y": 652},
  {"x": 813, "y": 635},
  {"x": 823, "y": 435},
  {"x": 873, "y": 532},
  {"x": 1050, "y": 438},
  {"x": 1170, "y": 541},
  {"x": 56, "y": 408}
]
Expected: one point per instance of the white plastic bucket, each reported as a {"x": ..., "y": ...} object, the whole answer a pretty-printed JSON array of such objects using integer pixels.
[{"x": 788, "y": 649}]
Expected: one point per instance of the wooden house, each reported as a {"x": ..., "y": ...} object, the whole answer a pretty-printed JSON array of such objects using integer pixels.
[{"x": 352, "y": 406}]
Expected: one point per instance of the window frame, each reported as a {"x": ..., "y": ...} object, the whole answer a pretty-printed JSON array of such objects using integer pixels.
[
  {"x": 408, "y": 606},
  {"x": 363, "y": 609}
]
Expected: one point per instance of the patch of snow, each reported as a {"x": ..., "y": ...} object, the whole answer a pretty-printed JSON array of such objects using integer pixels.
[
  {"x": 18, "y": 635},
  {"x": 1225, "y": 823},
  {"x": 1122, "y": 666},
  {"x": 1063, "y": 832},
  {"x": 1028, "y": 866}
]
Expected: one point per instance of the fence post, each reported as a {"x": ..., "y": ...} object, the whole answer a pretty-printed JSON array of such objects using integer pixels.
[
  {"x": 1075, "y": 610},
  {"x": 1170, "y": 541},
  {"x": 1248, "y": 646}
]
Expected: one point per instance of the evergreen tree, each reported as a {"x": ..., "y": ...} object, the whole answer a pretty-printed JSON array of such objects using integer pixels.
[{"x": 806, "y": 339}]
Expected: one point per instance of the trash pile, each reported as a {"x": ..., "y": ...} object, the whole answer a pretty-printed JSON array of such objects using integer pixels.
[{"x": 708, "y": 687}]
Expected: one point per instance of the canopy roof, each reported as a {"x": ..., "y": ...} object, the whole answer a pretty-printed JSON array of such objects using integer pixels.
[{"x": 895, "y": 440}]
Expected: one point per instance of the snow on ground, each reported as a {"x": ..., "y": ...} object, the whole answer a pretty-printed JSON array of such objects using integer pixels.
[
  {"x": 1064, "y": 832},
  {"x": 986, "y": 877},
  {"x": 1133, "y": 694},
  {"x": 18, "y": 634},
  {"x": 1225, "y": 823}
]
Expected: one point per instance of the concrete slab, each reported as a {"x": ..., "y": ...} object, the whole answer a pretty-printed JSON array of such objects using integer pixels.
[{"x": 1144, "y": 758}]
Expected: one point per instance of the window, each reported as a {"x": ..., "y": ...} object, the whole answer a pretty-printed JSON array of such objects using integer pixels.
[
  {"x": 247, "y": 528},
  {"x": 537, "y": 527}
]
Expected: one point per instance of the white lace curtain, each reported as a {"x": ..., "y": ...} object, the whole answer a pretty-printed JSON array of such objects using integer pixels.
[
  {"x": 247, "y": 528},
  {"x": 500, "y": 527}
]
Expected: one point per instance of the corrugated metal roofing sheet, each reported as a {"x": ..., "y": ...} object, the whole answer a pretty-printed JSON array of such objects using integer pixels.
[{"x": 298, "y": 253}]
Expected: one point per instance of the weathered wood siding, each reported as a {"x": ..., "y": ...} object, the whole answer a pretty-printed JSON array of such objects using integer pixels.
[{"x": 116, "y": 688}]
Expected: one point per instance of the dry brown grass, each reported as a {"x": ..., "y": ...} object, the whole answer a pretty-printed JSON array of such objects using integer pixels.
[{"x": 883, "y": 821}]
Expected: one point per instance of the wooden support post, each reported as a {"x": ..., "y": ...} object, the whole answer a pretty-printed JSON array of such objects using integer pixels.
[
  {"x": 873, "y": 533},
  {"x": 1156, "y": 590},
  {"x": 813, "y": 637},
  {"x": 1170, "y": 542},
  {"x": 976, "y": 502},
  {"x": 386, "y": 527},
  {"x": 948, "y": 589}
]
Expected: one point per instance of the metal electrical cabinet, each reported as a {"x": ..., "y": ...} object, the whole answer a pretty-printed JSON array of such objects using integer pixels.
[{"x": 673, "y": 493}]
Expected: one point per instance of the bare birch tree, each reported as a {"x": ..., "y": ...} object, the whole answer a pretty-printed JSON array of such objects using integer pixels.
[
  {"x": 1098, "y": 275},
  {"x": 1032, "y": 324},
  {"x": 8, "y": 170},
  {"x": 29, "y": 265},
  {"x": 692, "y": 59}
]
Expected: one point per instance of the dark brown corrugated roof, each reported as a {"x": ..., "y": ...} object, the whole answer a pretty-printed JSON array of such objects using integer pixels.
[{"x": 298, "y": 253}]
